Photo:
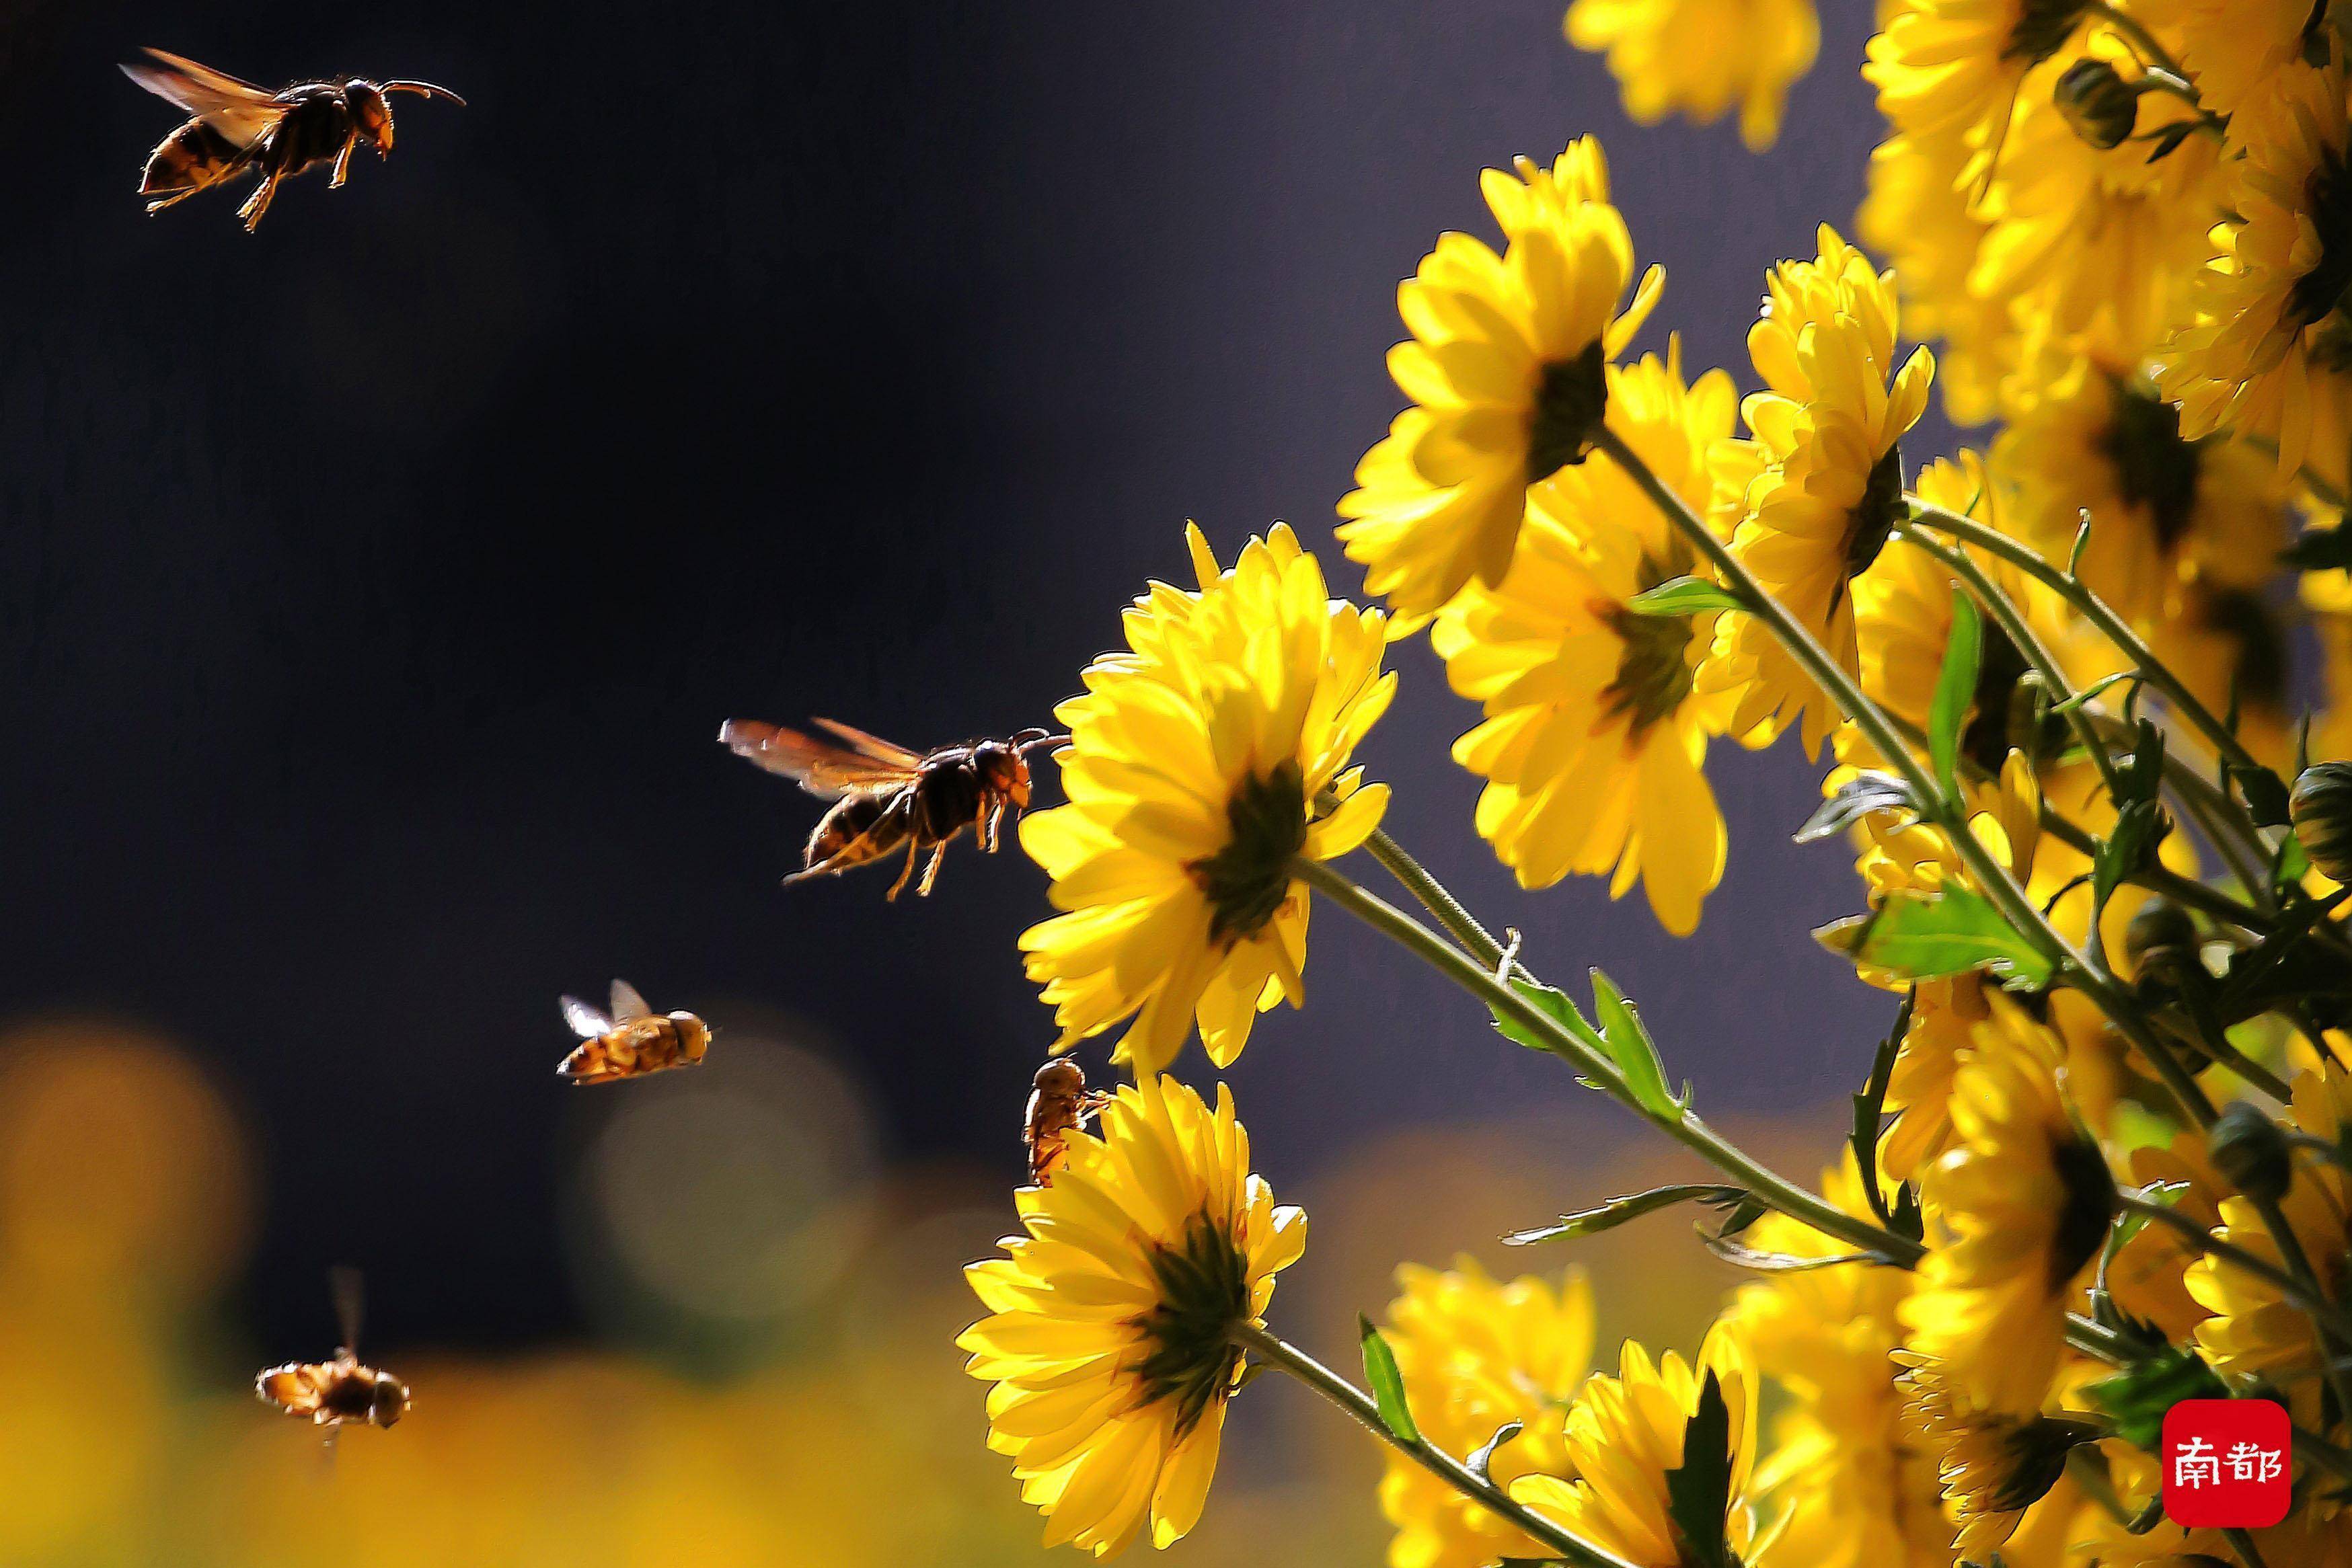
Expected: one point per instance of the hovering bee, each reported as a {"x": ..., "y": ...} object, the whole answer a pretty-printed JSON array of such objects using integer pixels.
[
  {"x": 333, "y": 1392},
  {"x": 630, "y": 1041},
  {"x": 238, "y": 126},
  {"x": 886, "y": 796},
  {"x": 1059, "y": 1104}
]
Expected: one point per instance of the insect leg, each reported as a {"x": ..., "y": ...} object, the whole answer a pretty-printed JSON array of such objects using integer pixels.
[
  {"x": 914, "y": 848},
  {"x": 343, "y": 161},
  {"x": 258, "y": 202},
  {"x": 932, "y": 873}
]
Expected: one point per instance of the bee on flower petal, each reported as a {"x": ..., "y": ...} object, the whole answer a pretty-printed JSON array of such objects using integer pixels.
[
  {"x": 343, "y": 1389},
  {"x": 1059, "y": 1104},
  {"x": 630, "y": 1040}
]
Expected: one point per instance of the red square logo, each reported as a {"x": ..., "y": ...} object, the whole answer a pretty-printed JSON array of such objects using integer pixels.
[{"x": 2228, "y": 1464}]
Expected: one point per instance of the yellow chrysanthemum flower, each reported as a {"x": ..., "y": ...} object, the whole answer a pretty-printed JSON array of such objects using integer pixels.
[
  {"x": 1832, "y": 486},
  {"x": 2253, "y": 1328},
  {"x": 2148, "y": 1277},
  {"x": 1859, "y": 1491},
  {"x": 1917, "y": 216},
  {"x": 2165, "y": 510},
  {"x": 2093, "y": 248},
  {"x": 1625, "y": 1433},
  {"x": 1594, "y": 743},
  {"x": 2235, "y": 50},
  {"x": 1701, "y": 57},
  {"x": 1912, "y": 858},
  {"x": 1475, "y": 1354},
  {"x": 1955, "y": 68},
  {"x": 1198, "y": 768},
  {"x": 1903, "y": 616},
  {"x": 2267, "y": 353},
  {"x": 1505, "y": 369},
  {"x": 1994, "y": 1465},
  {"x": 2023, "y": 1202},
  {"x": 1109, "y": 1334}
]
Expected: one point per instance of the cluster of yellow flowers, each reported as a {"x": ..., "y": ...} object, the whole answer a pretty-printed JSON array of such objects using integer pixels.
[{"x": 2103, "y": 1161}]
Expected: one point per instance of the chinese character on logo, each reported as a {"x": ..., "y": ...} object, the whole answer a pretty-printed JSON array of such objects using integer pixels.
[{"x": 2225, "y": 1463}]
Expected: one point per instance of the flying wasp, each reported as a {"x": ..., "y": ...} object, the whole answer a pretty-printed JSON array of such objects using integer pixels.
[
  {"x": 238, "y": 126},
  {"x": 631, "y": 1040},
  {"x": 886, "y": 797},
  {"x": 1059, "y": 1104},
  {"x": 331, "y": 1393}
]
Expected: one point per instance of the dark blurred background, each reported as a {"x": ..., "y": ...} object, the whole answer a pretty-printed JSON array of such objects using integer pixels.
[{"x": 371, "y": 588}]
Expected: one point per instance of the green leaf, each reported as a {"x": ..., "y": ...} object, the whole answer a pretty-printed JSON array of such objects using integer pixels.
[
  {"x": 2265, "y": 792},
  {"x": 1618, "y": 1210},
  {"x": 1633, "y": 1051},
  {"x": 2138, "y": 1397},
  {"x": 2091, "y": 692},
  {"x": 1870, "y": 1107},
  {"x": 2083, "y": 533},
  {"x": 1741, "y": 1255},
  {"x": 1698, "y": 1491},
  {"x": 2129, "y": 849},
  {"x": 1855, "y": 799},
  {"x": 1931, "y": 936},
  {"x": 2290, "y": 864},
  {"x": 1555, "y": 1005},
  {"x": 1388, "y": 1383},
  {"x": 1955, "y": 690},
  {"x": 1685, "y": 596},
  {"x": 2141, "y": 777},
  {"x": 1482, "y": 1458},
  {"x": 2320, "y": 550}
]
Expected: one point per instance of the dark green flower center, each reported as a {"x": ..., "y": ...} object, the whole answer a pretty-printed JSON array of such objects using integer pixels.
[
  {"x": 2088, "y": 1208},
  {"x": 1993, "y": 729},
  {"x": 1570, "y": 401},
  {"x": 1203, "y": 1286},
  {"x": 2328, "y": 199},
  {"x": 1654, "y": 672},
  {"x": 2258, "y": 648},
  {"x": 1875, "y": 514},
  {"x": 2153, "y": 466},
  {"x": 1248, "y": 879},
  {"x": 2042, "y": 28},
  {"x": 2036, "y": 1451}
]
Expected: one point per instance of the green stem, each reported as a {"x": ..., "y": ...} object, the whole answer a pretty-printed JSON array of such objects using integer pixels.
[
  {"x": 1684, "y": 1126},
  {"x": 2184, "y": 891},
  {"x": 1276, "y": 1352},
  {"x": 2095, "y": 610},
  {"x": 2003, "y": 609},
  {"x": 1434, "y": 896},
  {"x": 1991, "y": 877},
  {"x": 2153, "y": 878},
  {"x": 2152, "y": 53}
]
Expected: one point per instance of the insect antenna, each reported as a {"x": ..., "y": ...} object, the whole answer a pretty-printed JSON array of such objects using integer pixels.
[{"x": 422, "y": 89}]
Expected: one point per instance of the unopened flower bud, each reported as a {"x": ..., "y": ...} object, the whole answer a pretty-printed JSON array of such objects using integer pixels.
[
  {"x": 2248, "y": 1149},
  {"x": 2321, "y": 808},
  {"x": 2093, "y": 99},
  {"x": 2160, "y": 935}
]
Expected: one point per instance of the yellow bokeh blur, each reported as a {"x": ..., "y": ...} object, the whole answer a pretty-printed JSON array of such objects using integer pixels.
[{"x": 748, "y": 1201}]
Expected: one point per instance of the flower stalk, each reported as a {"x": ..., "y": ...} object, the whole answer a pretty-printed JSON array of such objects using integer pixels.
[{"x": 1276, "y": 1352}]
